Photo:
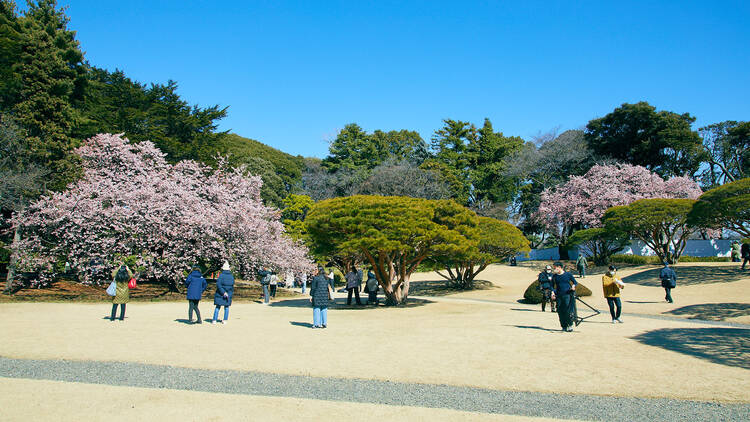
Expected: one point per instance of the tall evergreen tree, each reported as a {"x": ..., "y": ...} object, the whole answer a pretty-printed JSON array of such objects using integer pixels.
[{"x": 48, "y": 75}]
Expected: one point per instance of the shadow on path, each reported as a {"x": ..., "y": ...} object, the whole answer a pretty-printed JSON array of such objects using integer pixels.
[
  {"x": 301, "y": 324},
  {"x": 725, "y": 346},
  {"x": 340, "y": 303},
  {"x": 688, "y": 276},
  {"x": 440, "y": 288},
  {"x": 535, "y": 327},
  {"x": 713, "y": 311}
]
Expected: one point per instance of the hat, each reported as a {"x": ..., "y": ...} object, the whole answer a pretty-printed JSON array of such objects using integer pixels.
[
  {"x": 225, "y": 267},
  {"x": 548, "y": 267}
]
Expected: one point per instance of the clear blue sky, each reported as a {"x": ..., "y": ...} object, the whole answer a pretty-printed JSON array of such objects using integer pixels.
[{"x": 293, "y": 73}]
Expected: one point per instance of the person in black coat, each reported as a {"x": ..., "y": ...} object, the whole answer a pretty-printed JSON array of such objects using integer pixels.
[
  {"x": 545, "y": 285},
  {"x": 565, "y": 287},
  {"x": 224, "y": 293},
  {"x": 668, "y": 281},
  {"x": 320, "y": 293},
  {"x": 745, "y": 253},
  {"x": 196, "y": 285}
]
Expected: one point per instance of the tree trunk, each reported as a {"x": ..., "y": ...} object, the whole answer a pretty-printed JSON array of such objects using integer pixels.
[{"x": 12, "y": 265}]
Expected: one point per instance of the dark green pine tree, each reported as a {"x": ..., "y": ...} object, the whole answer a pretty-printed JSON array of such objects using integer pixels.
[{"x": 50, "y": 74}]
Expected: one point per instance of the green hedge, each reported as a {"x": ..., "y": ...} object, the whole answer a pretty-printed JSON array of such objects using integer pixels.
[
  {"x": 534, "y": 296},
  {"x": 645, "y": 260}
]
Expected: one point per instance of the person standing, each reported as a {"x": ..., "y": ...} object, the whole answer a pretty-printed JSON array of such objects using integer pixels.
[
  {"x": 224, "y": 293},
  {"x": 332, "y": 279},
  {"x": 612, "y": 285},
  {"x": 273, "y": 285},
  {"x": 353, "y": 282},
  {"x": 121, "y": 277},
  {"x": 736, "y": 251},
  {"x": 564, "y": 285},
  {"x": 668, "y": 281},
  {"x": 320, "y": 293},
  {"x": 372, "y": 288},
  {"x": 745, "y": 252},
  {"x": 265, "y": 281},
  {"x": 545, "y": 285},
  {"x": 196, "y": 285},
  {"x": 303, "y": 280},
  {"x": 581, "y": 265}
]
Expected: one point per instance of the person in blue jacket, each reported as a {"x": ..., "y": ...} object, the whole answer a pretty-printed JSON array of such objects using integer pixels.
[
  {"x": 224, "y": 292},
  {"x": 668, "y": 280},
  {"x": 196, "y": 285},
  {"x": 565, "y": 287}
]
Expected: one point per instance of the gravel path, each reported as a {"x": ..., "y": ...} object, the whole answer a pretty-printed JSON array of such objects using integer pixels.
[{"x": 582, "y": 407}]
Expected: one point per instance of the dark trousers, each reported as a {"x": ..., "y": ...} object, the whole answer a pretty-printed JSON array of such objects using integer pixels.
[
  {"x": 114, "y": 311},
  {"x": 745, "y": 261},
  {"x": 668, "y": 297},
  {"x": 193, "y": 306},
  {"x": 273, "y": 290},
  {"x": 547, "y": 297},
  {"x": 349, "y": 295},
  {"x": 265, "y": 293},
  {"x": 614, "y": 302},
  {"x": 566, "y": 310},
  {"x": 372, "y": 297}
]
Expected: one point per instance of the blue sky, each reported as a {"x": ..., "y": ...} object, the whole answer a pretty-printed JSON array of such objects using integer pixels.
[{"x": 293, "y": 73}]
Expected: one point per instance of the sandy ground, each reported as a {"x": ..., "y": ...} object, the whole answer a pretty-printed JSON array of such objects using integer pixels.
[
  {"x": 59, "y": 401},
  {"x": 498, "y": 346},
  {"x": 713, "y": 291}
]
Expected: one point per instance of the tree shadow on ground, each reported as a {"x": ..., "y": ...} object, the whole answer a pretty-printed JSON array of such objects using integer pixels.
[
  {"x": 535, "y": 327},
  {"x": 441, "y": 288},
  {"x": 688, "y": 276},
  {"x": 725, "y": 346},
  {"x": 713, "y": 311},
  {"x": 340, "y": 303}
]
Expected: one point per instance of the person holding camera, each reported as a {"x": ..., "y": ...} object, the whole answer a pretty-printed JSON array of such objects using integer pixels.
[
  {"x": 545, "y": 285},
  {"x": 564, "y": 285}
]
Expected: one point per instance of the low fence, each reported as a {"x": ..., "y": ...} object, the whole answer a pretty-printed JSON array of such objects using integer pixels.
[{"x": 697, "y": 247}]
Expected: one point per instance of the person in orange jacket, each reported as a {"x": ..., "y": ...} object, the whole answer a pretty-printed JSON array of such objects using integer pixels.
[{"x": 612, "y": 285}]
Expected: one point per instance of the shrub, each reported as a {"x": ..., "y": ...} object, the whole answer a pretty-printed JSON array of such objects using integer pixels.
[
  {"x": 654, "y": 260},
  {"x": 635, "y": 259},
  {"x": 533, "y": 295}
]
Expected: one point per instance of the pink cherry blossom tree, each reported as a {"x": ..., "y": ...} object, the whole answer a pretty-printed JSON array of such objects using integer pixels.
[
  {"x": 132, "y": 205},
  {"x": 583, "y": 200}
]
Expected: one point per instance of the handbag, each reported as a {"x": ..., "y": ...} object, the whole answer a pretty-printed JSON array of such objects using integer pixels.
[
  {"x": 132, "y": 283},
  {"x": 112, "y": 289}
]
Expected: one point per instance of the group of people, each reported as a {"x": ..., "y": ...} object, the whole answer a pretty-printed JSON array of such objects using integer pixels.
[
  {"x": 321, "y": 291},
  {"x": 354, "y": 285},
  {"x": 558, "y": 288}
]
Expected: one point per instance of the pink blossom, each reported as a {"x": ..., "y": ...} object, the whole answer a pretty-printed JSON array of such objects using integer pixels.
[
  {"x": 132, "y": 202},
  {"x": 584, "y": 199}
]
